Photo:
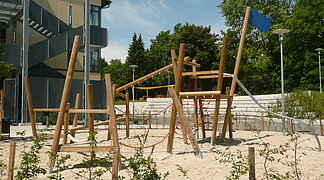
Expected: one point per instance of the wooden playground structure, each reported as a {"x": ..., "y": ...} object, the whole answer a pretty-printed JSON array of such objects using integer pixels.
[{"x": 64, "y": 110}]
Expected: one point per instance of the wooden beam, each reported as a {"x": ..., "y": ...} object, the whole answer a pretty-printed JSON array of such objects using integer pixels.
[
  {"x": 76, "y": 106},
  {"x": 177, "y": 71},
  {"x": 96, "y": 124},
  {"x": 139, "y": 80},
  {"x": 183, "y": 119},
  {"x": 84, "y": 148},
  {"x": 149, "y": 76},
  {"x": 11, "y": 164},
  {"x": 1, "y": 109},
  {"x": 211, "y": 77},
  {"x": 199, "y": 94},
  {"x": 200, "y": 73},
  {"x": 30, "y": 106},
  {"x": 219, "y": 88},
  {"x": 236, "y": 71},
  {"x": 90, "y": 106},
  {"x": 64, "y": 100},
  {"x": 113, "y": 127},
  {"x": 66, "y": 123},
  {"x": 94, "y": 111},
  {"x": 127, "y": 114},
  {"x": 121, "y": 94}
]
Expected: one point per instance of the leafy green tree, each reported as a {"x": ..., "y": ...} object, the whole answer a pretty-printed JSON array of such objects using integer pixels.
[
  {"x": 306, "y": 34},
  {"x": 117, "y": 70},
  {"x": 136, "y": 56},
  {"x": 260, "y": 67}
]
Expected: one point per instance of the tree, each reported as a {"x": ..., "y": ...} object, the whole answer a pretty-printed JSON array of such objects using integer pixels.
[
  {"x": 306, "y": 34},
  {"x": 117, "y": 70},
  {"x": 136, "y": 56},
  {"x": 260, "y": 67}
]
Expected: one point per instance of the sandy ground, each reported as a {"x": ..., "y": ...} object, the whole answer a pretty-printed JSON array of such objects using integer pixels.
[{"x": 311, "y": 160}]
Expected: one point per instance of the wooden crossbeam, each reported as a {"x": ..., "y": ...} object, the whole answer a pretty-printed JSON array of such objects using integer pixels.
[
  {"x": 96, "y": 124},
  {"x": 84, "y": 148},
  {"x": 199, "y": 94},
  {"x": 197, "y": 73},
  {"x": 94, "y": 111},
  {"x": 184, "y": 121}
]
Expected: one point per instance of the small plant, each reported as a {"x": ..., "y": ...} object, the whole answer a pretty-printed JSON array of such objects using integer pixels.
[
  {"x": 30, "y": 163},
  {"x": 60, "y": 166},
  {"x": 3, "y": 165},
  {"x": 279, "y": 154},
  {"x": 92, "y": 163},
  {"x": 239, "y": 163},
  {"x": 140, "y": 167},
  {"x": 183, "y": 171}
]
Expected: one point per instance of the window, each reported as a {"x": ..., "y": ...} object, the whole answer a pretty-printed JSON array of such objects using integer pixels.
[
  {"x": 94, "y": 61},
  {"x": 70, "y": 15},
  {"x": 95, "y": 14}
]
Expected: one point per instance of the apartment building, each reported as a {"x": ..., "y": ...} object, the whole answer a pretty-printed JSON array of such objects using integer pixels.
[{"x": 52, "y": 27}]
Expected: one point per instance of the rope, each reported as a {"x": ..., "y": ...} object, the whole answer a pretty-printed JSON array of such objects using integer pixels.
[
  {"x": 136, "y": 147},
  {"x": 167, "y": 107},
  {"x": 276, "y": 114},
  {"x": 76, "y": 140}
]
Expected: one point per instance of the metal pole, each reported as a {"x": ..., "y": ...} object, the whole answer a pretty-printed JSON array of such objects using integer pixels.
[
  {"x": 282, "y": 85},
  {"x": 133, "y": 89},
  {"x": 86, "y": 35},
  {"x": 24, "y": 71},
  {"x": 319, "y": 69}
]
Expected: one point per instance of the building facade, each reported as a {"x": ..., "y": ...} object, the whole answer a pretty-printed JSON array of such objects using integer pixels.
[{"x": 52, "y": 27}]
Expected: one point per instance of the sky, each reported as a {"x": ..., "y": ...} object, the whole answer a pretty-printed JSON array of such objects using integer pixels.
[{"x": 150, "y": 17}]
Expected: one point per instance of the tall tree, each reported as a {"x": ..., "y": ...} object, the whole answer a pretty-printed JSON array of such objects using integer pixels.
[
  {"x": 260, "y": 67},
  {"x": 136, "y": 56}
]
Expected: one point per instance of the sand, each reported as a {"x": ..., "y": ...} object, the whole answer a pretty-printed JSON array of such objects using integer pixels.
[{"x": 311, "y": 161}]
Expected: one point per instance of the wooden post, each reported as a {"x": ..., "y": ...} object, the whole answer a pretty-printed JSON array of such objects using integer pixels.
[
  {"x": 30, "y": 107},
  {"x": 251, "y": 163},
  {"x": 202, "y": 116},
  {"x": 219, "y": 88},
  {"x": 150, "y": 120},
  {"x": 75, "y": 118},
  {"x": 321, "y": 127},
  {"x": 236, "y": 122},
  {"x": 177, "y": 69},
  {"x": 127, "y": 114},
  {"x": 236, "y": 71},
  {"x": 11, "y": 164},
  {"x": 1, "y": 110},
  {"x": 66, "y": 123},
  {"x": 113, "y": 127},
  {"x": 64, "y": 99},
  {"x": 184, "y": 121},
  {"x": 262, "y": 117},
  {"x": 114, "y": 95},
  {"x": 90, "y": 106}
]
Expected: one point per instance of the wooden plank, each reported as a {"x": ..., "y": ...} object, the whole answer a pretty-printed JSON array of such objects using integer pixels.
[
  {"x": 127, "y": 114},
  {"x": 64, "y": 100},
  {"x": 30, "y": 106},
  {"x": 11, "y": 163},
  {"x": 84, "y": 148},
  {"x": 183, "y": 120},
  {"x": 202, "y": 117},
  {"x": 200, "y": 73},
  {"x": 144, "y": 78},
  {"x": 90, "y": 106},
  {"x": 1, "y": 110},
  {"x": 76, "y": 106},
  {"x": 66, "y": 123},
  {"x": 96, "y": 124},
  {"x": 113, "y": 127},
  {"x": 149, "y": 76},
  {"x": 200, "y": 94},
  {"x": 219, "y": 88},
  {"x": 240, "y": 50},
  {"x": 251, "y": 159}
]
